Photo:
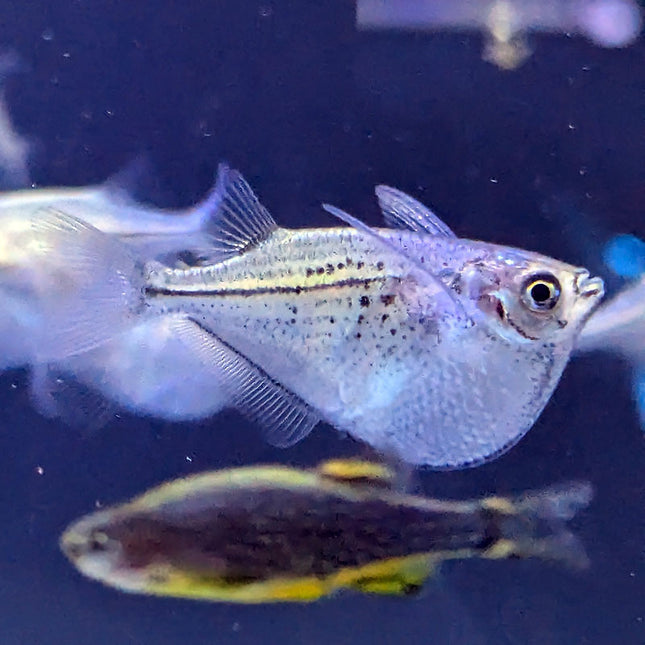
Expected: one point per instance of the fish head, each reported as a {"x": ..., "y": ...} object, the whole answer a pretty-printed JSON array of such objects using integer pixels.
[
  {"x": 526, "y": 297},
  {"x": 135, "y": 551},
  {"x": 93, "y": 547}
]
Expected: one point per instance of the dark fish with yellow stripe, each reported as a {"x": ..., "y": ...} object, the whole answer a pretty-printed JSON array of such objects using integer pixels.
[{"x": 275, "y": 533}]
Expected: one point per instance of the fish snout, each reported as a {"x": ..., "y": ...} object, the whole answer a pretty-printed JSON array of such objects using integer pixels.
[{"x": 73, "y": 546}]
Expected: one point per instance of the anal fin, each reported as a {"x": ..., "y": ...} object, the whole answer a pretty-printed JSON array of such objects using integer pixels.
[
  {"x": 396, "y": 576},
  {"x": 394, "y": 586},
  {"x": 284, "y": 416}
]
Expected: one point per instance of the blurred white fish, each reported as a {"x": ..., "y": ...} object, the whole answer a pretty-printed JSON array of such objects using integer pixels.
[
  {"x": 66, "y": 312},
  {"x": 70, "y": 313},
  {"x": 440, "y": 349},
  {"x": 618, "y": 326},
  {"x": 608, "y": 23},
  {"x": 48, "y": 275},
  {"x": 84, "y": 361},
  {"x": 14, "y": 148}
]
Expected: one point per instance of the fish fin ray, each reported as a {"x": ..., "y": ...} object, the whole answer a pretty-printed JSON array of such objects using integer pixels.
[
  {"x": 420, "y": 272},
  {"x": 240, "y": 221},
  {"x": 284, "y": 416},
  {"x": 104, "y": 285},
  {"x": 58, "y": 395},
  {"x": 534, "y": 524},
  {"x": 403, "y": 211}
]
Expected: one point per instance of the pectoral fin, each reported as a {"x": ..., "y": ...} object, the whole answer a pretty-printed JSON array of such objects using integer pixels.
[{"x": 433, "y": 286}]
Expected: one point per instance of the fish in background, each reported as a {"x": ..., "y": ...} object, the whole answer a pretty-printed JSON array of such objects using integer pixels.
[
  {"x": 505, "y": 23},
  {"x": 57, "y": 246},
  {"x": 264, "y": 534},
  {"x": 618, "y": 325},
  {"x": 67, "y": 315},
  {"x": 14, "y": 147},
  {"x": 440, "y": 350}
]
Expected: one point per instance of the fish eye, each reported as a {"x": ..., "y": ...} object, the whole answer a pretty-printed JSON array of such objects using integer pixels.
[{"x": 541, "y": 292}]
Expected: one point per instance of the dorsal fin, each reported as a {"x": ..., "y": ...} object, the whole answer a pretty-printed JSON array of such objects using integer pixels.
[
  {"x": 357, "y": 471},
  {"x": 434, "y": 286},
  {"x": 284, "y": 416},
  {"x": 402, "y": 211},
  {"x": 241, "y": 221}
]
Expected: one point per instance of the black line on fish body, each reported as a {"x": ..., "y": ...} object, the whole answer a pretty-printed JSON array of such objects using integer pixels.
[{"x": 349, "y": 282}]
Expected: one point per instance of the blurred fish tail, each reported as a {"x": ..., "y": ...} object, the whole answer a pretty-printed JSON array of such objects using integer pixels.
[
  {"x": 534, "y": 525},
  {"x": 104, "y": 286}
]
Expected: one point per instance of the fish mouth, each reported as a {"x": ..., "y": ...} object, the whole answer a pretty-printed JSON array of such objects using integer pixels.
[{"x": 588, "y": 287}]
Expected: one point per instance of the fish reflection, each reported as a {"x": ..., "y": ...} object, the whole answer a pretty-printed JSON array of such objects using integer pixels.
[
  {"x": 276, "y": 534},
  {"x": 608, "y": 23}
]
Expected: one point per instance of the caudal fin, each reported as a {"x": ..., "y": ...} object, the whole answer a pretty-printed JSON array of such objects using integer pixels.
[
  {"x": 91, "y": 290},
  {"x": 535, "y": 524}
]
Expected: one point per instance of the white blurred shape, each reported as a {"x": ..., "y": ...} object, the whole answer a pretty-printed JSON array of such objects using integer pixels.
[
  {"x": 611, "y": 23},
  {"x": 608, "y": 23}
]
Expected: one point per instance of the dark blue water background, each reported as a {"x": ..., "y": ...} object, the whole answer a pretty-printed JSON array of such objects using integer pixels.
[{"x": 548, "y": 158}]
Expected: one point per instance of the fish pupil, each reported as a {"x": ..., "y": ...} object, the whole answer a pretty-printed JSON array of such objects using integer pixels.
[{"x": 540, "y": 292}]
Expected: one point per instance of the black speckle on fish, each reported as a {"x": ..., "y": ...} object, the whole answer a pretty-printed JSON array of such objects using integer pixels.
[
  {"x": 365, "y": 301},
  {"x": 388, "y": 299}
]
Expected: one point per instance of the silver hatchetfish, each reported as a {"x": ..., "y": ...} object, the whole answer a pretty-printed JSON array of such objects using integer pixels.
[
  {"x": 272, "y": 533},
  {"x": 441, "y": 350}
]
